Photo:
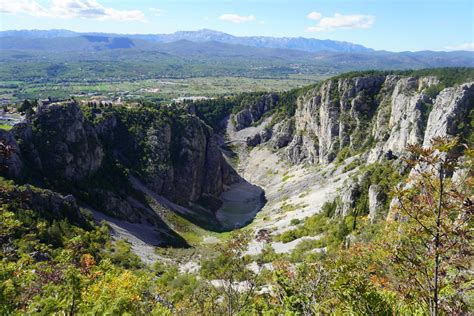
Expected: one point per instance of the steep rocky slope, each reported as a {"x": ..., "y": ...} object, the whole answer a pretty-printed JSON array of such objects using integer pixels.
[
  {"x": 341, "y": 140},
  {"x": 344, "y": 142},
  {"x": 372, "y": 114},
  {"x": 92, "y": 156}
]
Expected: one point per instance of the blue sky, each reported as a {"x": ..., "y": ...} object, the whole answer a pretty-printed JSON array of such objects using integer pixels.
[{"x": 390, "y": 25}]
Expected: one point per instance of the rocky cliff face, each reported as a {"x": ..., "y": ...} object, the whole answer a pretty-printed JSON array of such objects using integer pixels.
[
  {"x": 59, "y": 143},
  {"x": 373, "y": 118},
  {"x": 178, "y": 158},
  {"x": 254, "y": 112},
  {"x": 10, "y": 161},
  {"x": 373, "y": 115},
  {"x": 186, "y": 165},
  {"x": 451, "y": 106}
]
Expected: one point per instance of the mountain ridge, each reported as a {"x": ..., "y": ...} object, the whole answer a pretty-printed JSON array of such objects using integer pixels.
[{"x": 205, "y": 35}]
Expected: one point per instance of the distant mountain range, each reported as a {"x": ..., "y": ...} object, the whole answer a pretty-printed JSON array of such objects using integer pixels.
[
  {"x": 205, "y": 35},
  {"x": 36, "y": 56}
]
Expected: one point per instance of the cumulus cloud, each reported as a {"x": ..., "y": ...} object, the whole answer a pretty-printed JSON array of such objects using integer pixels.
[
  {"x": 340, "y": 21},
  {"x": 235, "y": 18},
  {"x": 463, "y": 46},
  {"x": 314, "y": 15},
  {"x": 87, "y": 9}
]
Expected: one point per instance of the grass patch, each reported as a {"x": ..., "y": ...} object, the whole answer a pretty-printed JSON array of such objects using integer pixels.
[
  {"x": 6, "y": 127},
  {"x": 352, "y": 165},
  {"x": 304, "y": 194},
  {"x": 288, "y": 207}
]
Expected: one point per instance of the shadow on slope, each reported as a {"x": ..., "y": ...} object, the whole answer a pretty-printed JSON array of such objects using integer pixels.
[{"x": 240, "y": 203}]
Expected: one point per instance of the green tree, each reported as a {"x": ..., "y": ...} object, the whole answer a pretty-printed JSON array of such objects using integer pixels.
[
  {"x": 25, "y": 106},
  {"x": 432, "y": 242},
  {"x": 237, "y": 283}
]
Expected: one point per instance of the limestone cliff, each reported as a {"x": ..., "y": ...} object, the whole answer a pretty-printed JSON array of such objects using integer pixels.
[
  {"x": 59, "y": 143},
  {"x": 375, "y": 115},
  {"x": 254, "y": 111},
  {"x": 450, "y": 109},
  {"x": 175, "y": 154},
  {"x": 372, "y": 119}
]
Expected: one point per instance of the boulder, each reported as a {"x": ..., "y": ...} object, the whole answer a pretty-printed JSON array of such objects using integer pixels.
[{"x": 253, "y": 140}]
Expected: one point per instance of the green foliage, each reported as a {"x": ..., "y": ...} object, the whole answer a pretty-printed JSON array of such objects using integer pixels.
[
  {"x": 312, "y": 226},
  {"x": 352, "y": 165},
  {"x": 383, "y": 174},
  {"x": 356, "y": 287},
  {"x": 433, "y": 91},
  {"x": 56, "y": 266},
  {"x": 228, "y": 263},
  {"x": 213, "y": 111},
  {"x": 448, "y": 76},
  {"x": 343, "y": 154},
  {"x": 180, "y": 285},
  {"x": 329, "y": 208},
  {"x": 437, "y": 229},
  {"x": 295, "y": 221}
]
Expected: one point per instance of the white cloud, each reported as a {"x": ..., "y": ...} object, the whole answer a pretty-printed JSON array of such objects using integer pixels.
[
  {"x": 87, "y": 9},
  {"x": 340, "y": 21},
  {"x": 156, "y": 11},
  {"x": 30, "y": 7},
  {"x": 314, "y": 15},
  {"x": 235, "y": 18},
  {"x": 463, "y": 46}
]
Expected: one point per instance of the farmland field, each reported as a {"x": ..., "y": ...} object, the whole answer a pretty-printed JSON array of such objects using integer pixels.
[{"x": 152, "y": 89}]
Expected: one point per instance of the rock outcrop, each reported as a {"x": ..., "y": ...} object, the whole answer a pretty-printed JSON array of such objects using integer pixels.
[
  {"x": 201, "y": 171},
  {"x": 377, "y": 115},
  {"x": 180, "y": 161},
  {"x": 348, "y": 199},
  {"x": 377, "y": 198},
  {"x": 49, "y": 204},
  {"x": 176, "y": 156},
  {"x": 282, "y": 134},
  {"x": 450, "y": 108},
  {"x": 10, "y": 161},
  {"x": 331, "y": 117},
  {"x": 254, "y": 112},
  {"x": 59, "y": 143}
]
